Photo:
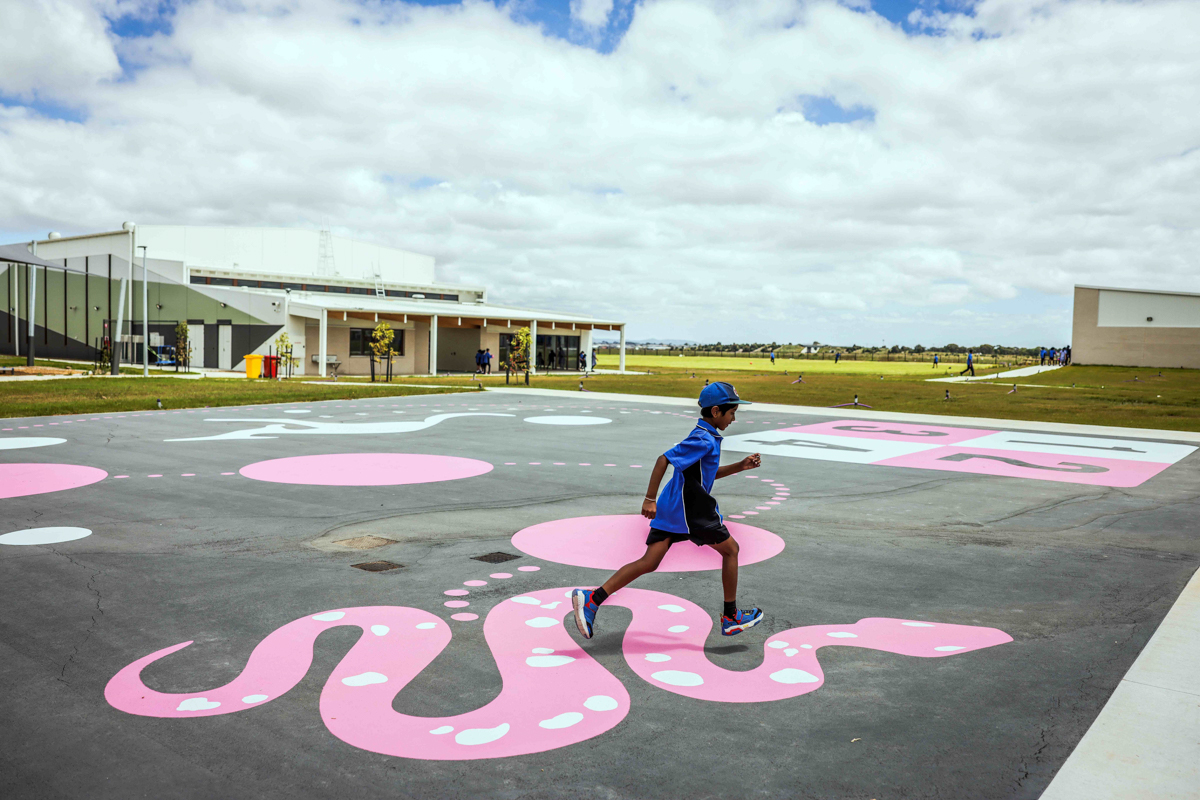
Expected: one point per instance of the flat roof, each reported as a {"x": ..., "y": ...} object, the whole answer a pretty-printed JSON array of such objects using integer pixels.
[
  {"x": 1136, "y": 291},
  {"x": 447, "y": 308}
]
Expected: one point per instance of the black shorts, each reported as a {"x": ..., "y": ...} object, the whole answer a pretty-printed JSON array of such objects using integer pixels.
[{"x": 698, "y": 538}]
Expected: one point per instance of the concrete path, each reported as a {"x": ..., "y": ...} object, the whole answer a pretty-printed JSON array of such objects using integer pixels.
[{"x": 1023, "y": 372}]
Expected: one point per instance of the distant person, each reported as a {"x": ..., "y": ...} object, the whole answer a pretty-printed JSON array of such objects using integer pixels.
[
  {"x": 1043, "y": 356},
  {"x": 837, "y": 357},
  {"x": 551, "y": 356},
  {"x": 582, "y": 361},
  {"x": 478, "y": 361},
  {"x": 970, "y": 365},
  {"x": 772, "y": 358},
  {"x": 541, "y": 361},
  {"x": 1068, "y": 358},
  {"x": 595, "y": 358},
  {"x": 935, "y": 360},
  {"x": 487, "y": 361}
]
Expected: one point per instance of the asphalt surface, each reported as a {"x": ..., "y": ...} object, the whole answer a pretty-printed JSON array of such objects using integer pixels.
[{"x": 1079, "y": 576}]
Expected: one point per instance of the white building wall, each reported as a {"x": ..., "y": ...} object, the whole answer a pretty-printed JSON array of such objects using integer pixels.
[{"x": 1146, "y": 310}]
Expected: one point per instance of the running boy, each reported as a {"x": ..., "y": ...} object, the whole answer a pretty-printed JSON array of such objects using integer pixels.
[{"x": 688, "y": 512}]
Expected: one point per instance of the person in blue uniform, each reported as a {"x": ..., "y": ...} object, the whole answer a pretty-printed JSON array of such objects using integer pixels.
[{"x": 686, "y": 511}]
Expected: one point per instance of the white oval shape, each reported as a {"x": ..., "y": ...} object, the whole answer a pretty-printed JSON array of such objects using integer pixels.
[
  {"x": 254, "y": 698},
  {"x": 365, "y": 679},
  {"x": 673, "y": 677},
  {"x": 777, "y": 645},
  {"x": 677, "y": 628},
  {"x": 657, "y": 658},
  {"x": 441, "y": 730},
  {"x": 918, "y": 624},
  {"x": 543, "y": 650},
  {"x": 541, "y": 622},
  {"x": 44, "y": 535},
  {"x": 196, "y": 704},
  {"x": 568, "y": 420},
  {"x": 481, "y": 735},
  {"x": 807, "y": 646},
  {"x": 565, "y": 720},
  {"x": 548, "y": 661},
  {"x": 842, "y": 635},
  {"x": 529, "y": 601},
  {"x": 790, "y": 675},
  {"x": 380, "y": 630},
  {"x": 306, "y": 411},
  {"x": 424, "y": 626},
  {"x": 600, "y": 702},
  {"x": 791, "y": 651},
  {"x": 553, "y": 605},
  {"x": 947, "y": 648},
  {"x": 674, "y": 609},
  {"x": 20, "y": 443},
  {"x": 329, "y": 616}
]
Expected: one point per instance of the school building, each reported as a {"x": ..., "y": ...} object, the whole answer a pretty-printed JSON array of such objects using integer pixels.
[
  {"x": 238, "y": 289},
  {"x": 1135, "y": 328}
]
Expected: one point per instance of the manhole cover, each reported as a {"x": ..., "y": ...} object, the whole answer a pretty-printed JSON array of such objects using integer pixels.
[
  {"x": 377, "y": 566},
  {"x": 364, "y": 542},
  {"x": 495, "y": 558}
]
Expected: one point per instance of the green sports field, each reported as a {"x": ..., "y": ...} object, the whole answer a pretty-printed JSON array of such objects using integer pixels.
[{"x": 792, "y": 366}]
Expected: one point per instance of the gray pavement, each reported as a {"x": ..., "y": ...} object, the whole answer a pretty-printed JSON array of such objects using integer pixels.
[{"x": 1078, "y": 575}]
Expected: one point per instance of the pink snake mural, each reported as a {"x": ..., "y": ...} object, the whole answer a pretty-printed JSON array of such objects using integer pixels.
[{"x": 554, "y": 694}]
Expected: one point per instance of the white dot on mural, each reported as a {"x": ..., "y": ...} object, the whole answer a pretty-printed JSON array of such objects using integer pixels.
[
  {"x": 657, "y": 658},
  {"x": 791, "y": 651},
  {"x": 673, "y": 677},
  {"x": 674, "y": 609},
  {"x": 568, "y": 420},
  {"x": 543, "y": 650},
  {"x": 947, "y": 648},
  {"x": 424, "y": 626},
  {"x": 329, "y": 616},
  {"x": 44, "y": 536},
  {"x": 541, "y": 622},
  {"x": 380, "y": 630},
  {"x": 20, "y": 443},
  {"x": 197, "y": 704},
  {"x": 553, "y": 605},
  {"x": 443, "y": 729},
  {"x": 790, "y": 675},
  {"x": 528, "y": 569},
  {"x": 807, "y": 646},
  {"x": 562, "y": 720},
  {"x": 842, "y": 635},
  {"x": 481, "y": 735},
  {"x": 254, "y": 698},
  {"x": 918, "y": 624},
  {"x": 548, "y": 661},
  {"x": 777, "y": 645},
  {"x": 296, "y": 411},
  {"x": 365, "y": 679},
  {"x": 677, "y": 628},
  {"x": 529, "y": 601},
  {"x": 600, "y": 702}
]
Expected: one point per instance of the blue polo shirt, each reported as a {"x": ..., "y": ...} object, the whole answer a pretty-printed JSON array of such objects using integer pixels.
[{"x": 686, "y": 505}]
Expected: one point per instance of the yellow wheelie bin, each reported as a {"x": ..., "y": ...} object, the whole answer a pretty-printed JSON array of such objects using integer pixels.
[{"x": 253, "y": 366}]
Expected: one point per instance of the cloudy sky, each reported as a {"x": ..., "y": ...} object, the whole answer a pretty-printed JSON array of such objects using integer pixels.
[{"x": 872, "y": 171}]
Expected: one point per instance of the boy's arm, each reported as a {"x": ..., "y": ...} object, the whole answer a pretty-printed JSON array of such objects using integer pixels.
[
  {"x": 749, "y": 462},
  {"x": 650, "y": 502}
]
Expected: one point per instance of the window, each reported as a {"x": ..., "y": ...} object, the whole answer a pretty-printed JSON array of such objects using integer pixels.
[
  {"x": 220, "y": 282},
  {"x": 358, "y": 290},
  {"x": 360, "y": 341},
  {"x": 270, "y": 285}
]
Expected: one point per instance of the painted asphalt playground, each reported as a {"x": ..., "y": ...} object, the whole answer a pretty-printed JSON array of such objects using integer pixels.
[{"x": 949, "y": 606}]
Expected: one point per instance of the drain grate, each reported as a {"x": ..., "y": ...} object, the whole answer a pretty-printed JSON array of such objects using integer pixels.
[
  {"x": 494, "y": 558},
  {"x": 377, "y": 566},
  {"x": 365, "y": 542}
]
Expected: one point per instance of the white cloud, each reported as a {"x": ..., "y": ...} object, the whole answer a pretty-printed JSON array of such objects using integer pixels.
[
  {"x": 593, "y": 13},
  {"x": 660, "y": 183}
]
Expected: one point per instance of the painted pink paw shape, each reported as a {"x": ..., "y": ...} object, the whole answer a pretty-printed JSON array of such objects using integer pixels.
[{"x": 664, "y": 645}]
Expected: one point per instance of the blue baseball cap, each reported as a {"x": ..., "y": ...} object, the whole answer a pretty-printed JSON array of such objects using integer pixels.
[{"x": 720, "y": 394}]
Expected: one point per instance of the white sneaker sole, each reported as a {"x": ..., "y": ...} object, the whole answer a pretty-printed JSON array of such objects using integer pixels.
[{"x": 577, "y": 604}]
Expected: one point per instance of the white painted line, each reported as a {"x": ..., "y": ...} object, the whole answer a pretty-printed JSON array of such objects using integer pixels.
[{"x": 822, "y": 447}]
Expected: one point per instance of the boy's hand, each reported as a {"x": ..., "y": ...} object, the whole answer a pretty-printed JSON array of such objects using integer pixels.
[
  {"x": 649, "y": 508},
  {"x": 752, "y": 462}
]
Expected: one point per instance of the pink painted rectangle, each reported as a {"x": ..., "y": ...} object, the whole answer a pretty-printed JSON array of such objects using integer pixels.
[
  {"x": 1036, "y": 466},
  {"x": 892, "y": 431}
]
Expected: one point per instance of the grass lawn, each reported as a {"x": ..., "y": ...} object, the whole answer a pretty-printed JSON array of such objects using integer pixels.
[
  {"x": 791, "y": 366},
  {"x": 1102, "y": 395},
  {"x": 94, "y": 395},
  {"x": 19, "y": 361}
]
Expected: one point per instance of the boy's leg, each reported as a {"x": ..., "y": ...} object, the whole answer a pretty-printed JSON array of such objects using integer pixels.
[
  {"x": 586, "y": 603},
  {"x": 733, "y": 621}
]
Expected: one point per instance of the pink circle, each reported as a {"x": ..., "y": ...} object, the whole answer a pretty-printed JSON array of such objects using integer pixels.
[
  {"x": 736, "y": 516},
  {"x": 528, "y": 569},
  {"x": 751, "y": 513},
  {"x": 609, "y": 542},
  {"x": 464, "y": 617},
  {"x": 456, "y": 592},
  {"x": 365, "y": 469},
  {"x": 21, "y": 480},
  {"x": 456, "y": 604},
  {"x": 474, "y": 583},
  {"x": 500, "y": 575}
]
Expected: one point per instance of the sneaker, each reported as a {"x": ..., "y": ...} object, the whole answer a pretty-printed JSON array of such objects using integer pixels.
[
  {"x": 742, "y": 620},
  {"x": 585, "y": 611}
]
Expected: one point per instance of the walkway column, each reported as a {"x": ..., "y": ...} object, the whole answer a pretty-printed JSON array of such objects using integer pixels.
[
  {"x": 323, "y": 340},
  {"x": 621, "y": 368},
  {"x": 433, "y": 325},
  {"x": 30, "y": 328},
  {"x": 116, "y": 336},
  {"x": 14, "y": 296},
  {"x": 533, "y": 347}
]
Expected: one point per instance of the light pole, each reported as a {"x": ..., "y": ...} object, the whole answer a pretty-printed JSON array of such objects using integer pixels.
[{"x": 145, "y": 316}]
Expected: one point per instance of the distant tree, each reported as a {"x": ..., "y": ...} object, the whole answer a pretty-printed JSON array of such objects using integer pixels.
[
  {"x": 918, "y": 349},
  {"x": 518, "y": 351},
  {"x": 986, "y": 349}
]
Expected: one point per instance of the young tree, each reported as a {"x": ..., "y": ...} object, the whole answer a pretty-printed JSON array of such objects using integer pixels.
[
  {"x": 381, "y": 346},
  {"x": 183, "y": 348},
  {"x": 283, "y": 344},
  {"x": 518, "y": 351}
]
